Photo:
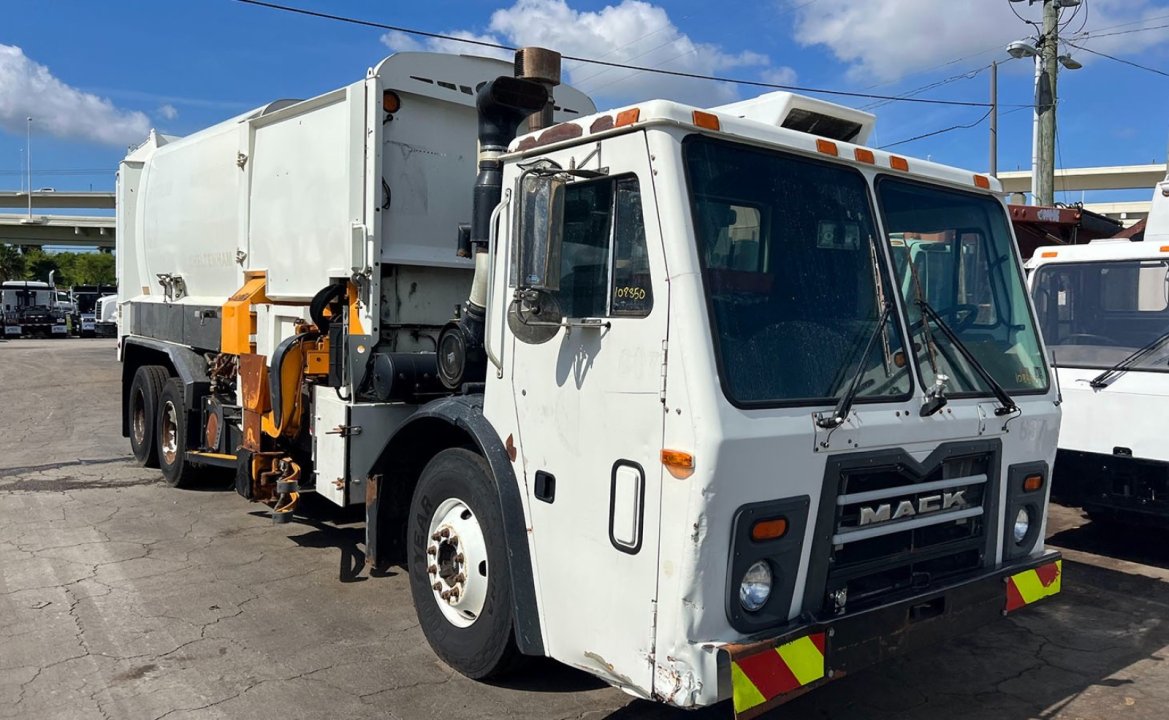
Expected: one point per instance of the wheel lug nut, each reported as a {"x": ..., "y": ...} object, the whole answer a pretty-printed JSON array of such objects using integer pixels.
[
  {"x": 437, "y": 586},
  {"x": 436, "y": 537},
  {"x": 433, "y": 569},
  {"x": 460, "y": 578},
  {"x": 432, "y": 550},
  {"x": 445, "y": 594},
  {"x": 445, "y": 532},
  {"x": 454, "y": 594},
  {"x": 459, "y": 558},
  {"x": 453, "y": 541}
]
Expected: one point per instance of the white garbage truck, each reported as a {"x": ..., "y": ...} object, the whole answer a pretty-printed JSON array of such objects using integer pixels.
[
  {"x": 639, "y": 390},
  {"x": 1104, "y": 309}
]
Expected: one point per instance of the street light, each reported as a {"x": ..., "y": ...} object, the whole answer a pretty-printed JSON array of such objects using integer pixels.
[
  {"x": 1021, "y": 49},
  {"x": 1070, "y": 62}
]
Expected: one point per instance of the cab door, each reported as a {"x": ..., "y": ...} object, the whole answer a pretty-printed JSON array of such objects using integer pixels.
[{"x": 590, "y": 418}]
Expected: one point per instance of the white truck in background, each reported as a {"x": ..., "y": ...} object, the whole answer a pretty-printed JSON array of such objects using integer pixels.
[
  {"x": 105, "y": 324},
  {"x": 644, "y": 395},
  {"x": 1103, "y": 308}
]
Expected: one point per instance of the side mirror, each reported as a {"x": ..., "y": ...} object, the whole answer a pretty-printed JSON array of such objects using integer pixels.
[{"x": 539, "y": 233}]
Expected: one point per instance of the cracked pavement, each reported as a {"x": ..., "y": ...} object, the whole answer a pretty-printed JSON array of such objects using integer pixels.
[{"x": 121, "y": 597}]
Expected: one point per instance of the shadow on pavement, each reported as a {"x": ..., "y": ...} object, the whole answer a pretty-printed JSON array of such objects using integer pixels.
[{"x": 1115, "y": 538}]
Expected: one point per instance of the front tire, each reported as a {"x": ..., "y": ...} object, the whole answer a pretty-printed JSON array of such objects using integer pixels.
[
  {"x": 457, "y": 560},
  {"x": 172, "y": 430},
  {"x": 142, "y": 412}
]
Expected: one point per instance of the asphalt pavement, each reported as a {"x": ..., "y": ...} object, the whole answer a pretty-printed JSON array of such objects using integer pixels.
[{"x": 123, "y": 598}]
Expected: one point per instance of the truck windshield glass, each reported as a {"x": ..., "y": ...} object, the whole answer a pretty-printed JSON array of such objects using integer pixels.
[
  {"x": 955, "y": 249},
  {"x": 787, "y": 247},
  {"x": 1095, "y": 314}
]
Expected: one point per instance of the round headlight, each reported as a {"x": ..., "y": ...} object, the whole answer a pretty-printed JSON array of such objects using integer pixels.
[
  {"x": 756, "y": 586},
  {"x": 1022, "y": 525}
]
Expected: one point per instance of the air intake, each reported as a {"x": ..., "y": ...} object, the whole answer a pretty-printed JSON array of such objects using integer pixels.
[{"x": 805, "y": 114}]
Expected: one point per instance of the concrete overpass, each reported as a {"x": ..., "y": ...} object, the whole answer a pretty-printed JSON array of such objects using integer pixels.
[
  {"x": 1121, "y": 177},
  {"x": 74, "y": 230},
  {"x": 59, "y": 200}
]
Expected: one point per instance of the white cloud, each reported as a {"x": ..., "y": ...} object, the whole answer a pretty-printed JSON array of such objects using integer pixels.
[
  {"x": 166, "y": 111},
  {"x": 632, "y": 32},
  {"x": 887, "y": 39},
  {"x": 28, "y": 89}
]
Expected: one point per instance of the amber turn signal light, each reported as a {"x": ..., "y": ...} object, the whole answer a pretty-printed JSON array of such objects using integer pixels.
[
  {"x": 391, "y": 103},
  {"x": 771, "y": 529},
  {"x": 679, "y": 464},
  {"x": 1031, "y": 483}
]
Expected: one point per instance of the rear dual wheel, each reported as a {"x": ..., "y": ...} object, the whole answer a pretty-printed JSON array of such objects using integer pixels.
[
  {"x": 172, "y": 432},
  {"x": 142, "y": 412}
]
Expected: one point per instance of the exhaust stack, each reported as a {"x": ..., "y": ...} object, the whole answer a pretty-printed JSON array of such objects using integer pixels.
[{"x": 503, "y": 104}]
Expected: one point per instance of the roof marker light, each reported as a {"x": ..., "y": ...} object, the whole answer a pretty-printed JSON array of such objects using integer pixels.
[
  {"x": 1048, "y": 253},
  {"x": 982, "y": 181},
  {"x": 827, "y": 147},
  {"x": 708, "y": 121},
  {"x": 898, "y": 163},
  {"x": 628, "y": 117},
  {"x": 865, "y": 156},
  {"x": 1165, "y": 248}
]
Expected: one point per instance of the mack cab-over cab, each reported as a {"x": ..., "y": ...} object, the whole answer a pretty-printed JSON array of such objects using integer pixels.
[{"x": 694, "y": 429}]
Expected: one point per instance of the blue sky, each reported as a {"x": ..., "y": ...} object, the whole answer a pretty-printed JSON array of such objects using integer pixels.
[{"x": 96, "y": 76}]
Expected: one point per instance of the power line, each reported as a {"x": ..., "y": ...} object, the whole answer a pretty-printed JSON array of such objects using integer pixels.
[
  {"x": 976, "y": 123},
  {"x": 1095, "y": 36},
  {"x": 593, "y": 61},
  {"x": 969, "y": 75},
  {"x": 1120, "y": 60}
]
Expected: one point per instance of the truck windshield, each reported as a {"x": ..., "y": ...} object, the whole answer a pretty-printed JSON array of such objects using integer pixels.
[
  {"x": 792, "y": 277},
  {"x": 1095, "y": 314},
  {"x": 954, "y": 250}
]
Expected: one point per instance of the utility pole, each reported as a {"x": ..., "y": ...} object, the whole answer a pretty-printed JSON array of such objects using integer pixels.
[
  {"x": 994, "y": 119},
  {"x": 1046, "y": 98},
  {"x": 28, "y": 156}
]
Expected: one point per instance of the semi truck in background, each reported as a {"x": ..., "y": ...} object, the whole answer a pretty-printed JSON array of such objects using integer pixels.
[
  {"x": 640, "y": 390},
  {"x": 1104, "y": 309},
  {"x": 32, "y": 307}
]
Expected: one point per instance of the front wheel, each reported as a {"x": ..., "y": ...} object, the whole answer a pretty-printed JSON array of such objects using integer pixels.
[{"x": 459, "y": 573}]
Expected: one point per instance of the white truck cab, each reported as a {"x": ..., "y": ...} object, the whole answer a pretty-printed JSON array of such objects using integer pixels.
[
  {"x": 694, "y": 428},
  {"x": 1103, "y": 308}
]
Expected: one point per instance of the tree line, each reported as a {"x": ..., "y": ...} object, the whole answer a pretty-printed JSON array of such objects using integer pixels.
[{"x": 71, "y": 268}]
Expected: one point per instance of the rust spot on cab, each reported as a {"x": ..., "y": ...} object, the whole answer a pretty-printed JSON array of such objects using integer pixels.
[
  {"x": 510, "y": 447},
  {"x": 601, "y": 124}
]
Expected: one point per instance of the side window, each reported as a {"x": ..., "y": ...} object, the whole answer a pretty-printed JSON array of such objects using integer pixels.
[{"x": 604, "y": 266}]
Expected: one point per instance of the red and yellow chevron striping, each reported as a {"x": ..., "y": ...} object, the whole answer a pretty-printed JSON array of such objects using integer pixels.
[
  {"x": 757, "y": 679},
  {"x": 1030, "y": 585}
]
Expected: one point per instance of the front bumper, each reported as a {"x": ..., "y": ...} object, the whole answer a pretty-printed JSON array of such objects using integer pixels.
[{"x": 768, "y": 672}]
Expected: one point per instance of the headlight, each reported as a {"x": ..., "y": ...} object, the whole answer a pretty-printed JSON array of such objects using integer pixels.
[
  {"x": 756, "y": 586},
  {"x": 1022, "y": 524}
]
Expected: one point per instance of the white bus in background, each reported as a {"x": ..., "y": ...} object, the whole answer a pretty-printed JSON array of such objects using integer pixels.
[{"x": 1103, "y": 309}]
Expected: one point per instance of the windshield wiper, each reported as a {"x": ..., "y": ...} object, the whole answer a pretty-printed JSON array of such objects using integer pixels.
[
  {"x": 1102, "y": 380},
  {"x": 1007, "y": 406},
  {"x": 840, "y": 414}
]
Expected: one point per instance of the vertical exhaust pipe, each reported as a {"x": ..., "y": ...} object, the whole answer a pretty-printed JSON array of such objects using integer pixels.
[{"x": 503, "y": 104}]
